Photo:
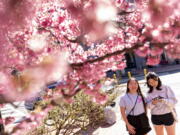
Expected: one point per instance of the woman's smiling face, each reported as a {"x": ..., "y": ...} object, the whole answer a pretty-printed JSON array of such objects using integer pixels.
[
  {"x": 133, "y": 86},
  {"x": 153, "y": 82}
]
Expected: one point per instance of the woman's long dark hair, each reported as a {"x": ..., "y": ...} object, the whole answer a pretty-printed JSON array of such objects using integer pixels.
[
  {"x": 138, "y": 91},
  {"x": 154, "y": 76}
]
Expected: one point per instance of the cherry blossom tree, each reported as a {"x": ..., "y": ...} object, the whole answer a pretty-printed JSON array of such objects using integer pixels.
[{"x": 77, "y": 41}]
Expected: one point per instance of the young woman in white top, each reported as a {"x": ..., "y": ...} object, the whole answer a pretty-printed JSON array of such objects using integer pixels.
[
  {"x": 133, "y": 109},
  {"x": 159, "y": 99}
]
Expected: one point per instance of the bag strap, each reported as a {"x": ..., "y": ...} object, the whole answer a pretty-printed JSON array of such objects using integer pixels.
[{"x": 133, "y": 106}]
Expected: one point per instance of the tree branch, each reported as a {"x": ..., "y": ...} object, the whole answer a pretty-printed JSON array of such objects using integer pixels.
[
  {"x": 123, "y": 12},
  {"x": 138, "y": 45}
]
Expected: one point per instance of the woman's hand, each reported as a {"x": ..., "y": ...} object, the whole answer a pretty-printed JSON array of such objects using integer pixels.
[
  {"x": 161, "y": 100},
  {"x": 131, "y": 129},
  {"x": 155, "y": 101}
]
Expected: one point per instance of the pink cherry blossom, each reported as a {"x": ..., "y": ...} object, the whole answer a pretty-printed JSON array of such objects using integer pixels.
[
  {"x": 153, "y": 60},
  {"x": 9, "y": 120}
]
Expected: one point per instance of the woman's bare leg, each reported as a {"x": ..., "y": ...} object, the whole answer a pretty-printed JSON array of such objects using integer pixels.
[
  {"x": 159, "y": 129},
  {"x": 170, "y": 129}
]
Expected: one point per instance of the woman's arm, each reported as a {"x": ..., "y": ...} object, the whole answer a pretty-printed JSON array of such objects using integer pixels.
[
  {"x": 131, "y": 129},
  {"x": 171, "y": 99},
  {"x": 150, "y": 102}
]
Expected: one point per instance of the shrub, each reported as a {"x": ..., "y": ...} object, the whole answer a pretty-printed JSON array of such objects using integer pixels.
[{"x": 68, "y": 118}]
